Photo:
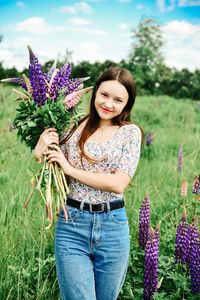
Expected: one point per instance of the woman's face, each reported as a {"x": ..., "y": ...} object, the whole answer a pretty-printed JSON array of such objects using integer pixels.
[{"x": 111, "y": 98}]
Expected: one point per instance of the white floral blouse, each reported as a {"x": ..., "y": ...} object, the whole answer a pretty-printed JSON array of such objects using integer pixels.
[{"x": 120, "y": 153}]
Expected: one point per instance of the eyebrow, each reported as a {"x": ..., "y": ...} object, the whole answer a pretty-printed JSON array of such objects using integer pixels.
[{"x": 102, "y": 91}]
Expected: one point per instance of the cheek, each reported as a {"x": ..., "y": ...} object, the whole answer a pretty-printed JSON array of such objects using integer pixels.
[
  {"x": 120, "y": 108},
  {"x": 97, "y": 101}
]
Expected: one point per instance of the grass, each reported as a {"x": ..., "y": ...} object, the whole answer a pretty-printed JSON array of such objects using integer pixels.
[{"x": 27, "y": 266}]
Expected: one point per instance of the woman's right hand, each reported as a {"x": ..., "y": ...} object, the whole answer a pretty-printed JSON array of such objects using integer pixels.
[{"x": 48, "y": 137}]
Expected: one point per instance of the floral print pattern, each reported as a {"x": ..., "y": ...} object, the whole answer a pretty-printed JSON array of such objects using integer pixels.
[{"x": 120, "y": 153}]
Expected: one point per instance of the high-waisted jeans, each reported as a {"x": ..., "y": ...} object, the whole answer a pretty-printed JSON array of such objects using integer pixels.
[{"x": 92, "y": 252}]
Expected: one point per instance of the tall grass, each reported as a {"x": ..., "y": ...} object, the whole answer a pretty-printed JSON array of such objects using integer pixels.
[{"x": 27, "y": 266}]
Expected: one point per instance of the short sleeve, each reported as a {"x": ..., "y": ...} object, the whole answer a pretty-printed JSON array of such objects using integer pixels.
[{"x": 130, "y": 150}]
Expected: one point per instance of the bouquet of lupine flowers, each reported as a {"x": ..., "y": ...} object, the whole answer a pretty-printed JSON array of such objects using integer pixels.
[{"x": 49, "y": 100}]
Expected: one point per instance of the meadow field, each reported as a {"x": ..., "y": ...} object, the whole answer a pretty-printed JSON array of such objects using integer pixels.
[{"x": 27, "y": 265}]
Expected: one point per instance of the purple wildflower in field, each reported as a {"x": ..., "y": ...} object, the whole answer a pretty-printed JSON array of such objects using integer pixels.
[
  {"x": 182, "y": 249},
  {"x": 194, "y": 264},
  {"x": 144, "y": 219},
  {"x": 151, "y": 265},
  {"x": 180, "y": 159},
  {"x": 149, "y": 139},
  {"x": 196, "y": 186},
  {"x": 37, "y": 80}
]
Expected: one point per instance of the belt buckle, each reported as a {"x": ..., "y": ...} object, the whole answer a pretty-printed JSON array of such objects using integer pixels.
[{"x": 102, "y": 209}]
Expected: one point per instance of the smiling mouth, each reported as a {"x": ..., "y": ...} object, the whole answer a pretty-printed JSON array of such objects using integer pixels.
[{"x": 106, "y": 110}]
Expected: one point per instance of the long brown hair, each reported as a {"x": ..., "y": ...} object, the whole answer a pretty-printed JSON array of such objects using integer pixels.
[{"x": 124, "y": 77}]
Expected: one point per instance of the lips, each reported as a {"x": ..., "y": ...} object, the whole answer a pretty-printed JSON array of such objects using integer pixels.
[{"x": 106, "y": 110}]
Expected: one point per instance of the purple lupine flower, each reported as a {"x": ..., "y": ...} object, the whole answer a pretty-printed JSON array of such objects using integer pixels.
[
  {"x": 196, "y": 186},
  {"x": 149, "y": 139},
  {"x": 37, "y": 80},
  {"x": 18, "y": 81},
  {"x": 144, "y": 219},
  {"x": 73, "y": 85},
  {"x": 151, "y": 265},
  {"x": 182, "y": 244},
  {"x": 60, "y": 81},
  {"x": 180, "y": 159},
  {"x": 194, "y": 263},
  {"x": 50, "y": 72}
]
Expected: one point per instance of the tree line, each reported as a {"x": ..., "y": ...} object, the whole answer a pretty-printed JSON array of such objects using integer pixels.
[{"x": 146, "y": 63}]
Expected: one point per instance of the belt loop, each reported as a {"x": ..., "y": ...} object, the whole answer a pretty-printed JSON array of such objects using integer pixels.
[
  {"x": 82, "y": 204},
  {"x": 108, "y": 206}
]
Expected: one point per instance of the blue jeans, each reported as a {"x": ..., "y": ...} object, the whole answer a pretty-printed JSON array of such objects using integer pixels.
[{"x": 92, "y": 252}]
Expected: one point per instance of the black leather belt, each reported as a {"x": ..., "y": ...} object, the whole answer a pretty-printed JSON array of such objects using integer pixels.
[{"x": 96, "y": 207}]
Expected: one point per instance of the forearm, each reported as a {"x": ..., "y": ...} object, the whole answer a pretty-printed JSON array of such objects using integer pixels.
[
  {"x": 101, "y": 181},
  {"x": 37, "y": 154}
]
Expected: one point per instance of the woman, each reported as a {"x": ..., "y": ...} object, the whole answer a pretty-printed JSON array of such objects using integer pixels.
[{"x": 99, "y": 156}]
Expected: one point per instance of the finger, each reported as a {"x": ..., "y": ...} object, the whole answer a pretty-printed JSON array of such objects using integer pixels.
[
  {"x": 49, "y": 152},
  {"x": 56, "y": 147},
  {"x": 53, "y": 140},
  {"x": 53, "y": 133},
  {"x": 54, "y": 159}
]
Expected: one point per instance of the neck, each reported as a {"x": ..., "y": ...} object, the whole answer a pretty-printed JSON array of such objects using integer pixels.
[{"x": 105, "y": 123}]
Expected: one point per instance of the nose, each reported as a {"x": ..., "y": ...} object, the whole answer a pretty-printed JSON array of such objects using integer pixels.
[{"x": 109, "y": 103}]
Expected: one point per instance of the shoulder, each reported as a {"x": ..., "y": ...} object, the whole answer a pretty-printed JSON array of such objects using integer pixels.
[{"x": 132, "y": 129}]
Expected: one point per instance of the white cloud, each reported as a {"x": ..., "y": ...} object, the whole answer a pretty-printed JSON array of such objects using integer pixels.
[
  {"x": 181, "y": 44},
  {"x": 171, "y": 4},
  {"x": 189, "y": 3},
  {"x": 20, "y": 4},
  {"x": 166, "y": 7},
  {"x": 123, "y": 26},
  {"x": 67, "y": 9},
  {"x": 36, "y": 25},
  {"x": 79, "y": 21},
  {"x": 76, "y": 8}
]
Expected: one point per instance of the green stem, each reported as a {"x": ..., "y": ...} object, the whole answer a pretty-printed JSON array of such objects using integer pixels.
[
  {"x": 65, "y": 182},
  {"x": 41, "y": 193},
  {"x": 30, "y": 195},
  {"x": 41, "y": 175},
  {"x": 54, "y": 177}
]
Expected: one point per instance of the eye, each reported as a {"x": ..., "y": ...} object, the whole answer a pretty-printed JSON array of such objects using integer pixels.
[
  {"x": 104, "y": 94},
  {"x": 118, "y": 100}
]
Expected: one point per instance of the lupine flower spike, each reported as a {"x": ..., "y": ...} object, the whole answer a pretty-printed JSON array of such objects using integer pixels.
[
  {"x": 196, "y": 186},
  {"x": 144, "y": 219},
  {"x": 72, "y": 99},
  {"x": 184, "y": 188},
  {"x": 149, "y": 139},
  {"x": 182, "y": 249},
  {"x": 194, "y": 263},
  {"x": 180, "y": 159},
  {"x": 151, "y": 264}
]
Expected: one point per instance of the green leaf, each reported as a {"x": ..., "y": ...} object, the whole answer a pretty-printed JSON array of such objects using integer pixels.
[{"x": 31, "y": 124}]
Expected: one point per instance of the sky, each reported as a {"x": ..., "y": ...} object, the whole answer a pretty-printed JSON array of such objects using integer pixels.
[{"x": 96, "y": 30}]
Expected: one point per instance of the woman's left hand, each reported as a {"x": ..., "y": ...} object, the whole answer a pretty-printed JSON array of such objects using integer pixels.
[{"x": 58, "y": 156}]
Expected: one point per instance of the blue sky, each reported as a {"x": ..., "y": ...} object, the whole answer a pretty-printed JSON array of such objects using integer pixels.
[{"x": 96, "y": 30}]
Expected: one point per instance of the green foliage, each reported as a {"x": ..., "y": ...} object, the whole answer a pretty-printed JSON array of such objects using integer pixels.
[
  {"x": 31, "y": 119},
  {"x": 146, "y": 55}
]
